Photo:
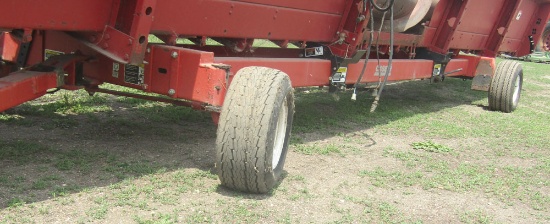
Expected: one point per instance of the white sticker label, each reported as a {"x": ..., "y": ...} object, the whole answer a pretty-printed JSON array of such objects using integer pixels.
[
  {"x": 314, "y": 51},
  {"x": 134, "y": 74},
  {"x": 381, "y": 70},
  {"x": 340, "y": 75},
  {"x": 116, "y": 69}
]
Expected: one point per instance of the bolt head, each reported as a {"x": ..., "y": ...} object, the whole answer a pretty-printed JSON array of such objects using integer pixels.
[
  {"x": 171, "y": 92},
  {"x": 174, "y": 54}
]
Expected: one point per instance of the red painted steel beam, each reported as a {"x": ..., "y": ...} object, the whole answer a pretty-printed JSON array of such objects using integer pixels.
[
  {"x": 312, "y": 72},
  {"x": 24, "y": 86},
  {"x": 194, "y": 105},
  {"x": 500, "y": 27},
  {"x": 29, "y": 84},
  {"x": 176, "y": 72}
]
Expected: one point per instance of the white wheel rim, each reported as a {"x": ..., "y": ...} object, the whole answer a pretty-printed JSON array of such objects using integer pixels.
[
  {"x": 517, "y": 87},
  {"x": 280, "y": 134}
]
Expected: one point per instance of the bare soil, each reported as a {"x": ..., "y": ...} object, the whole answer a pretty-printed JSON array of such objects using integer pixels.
[{"x": 166, "y": 176}]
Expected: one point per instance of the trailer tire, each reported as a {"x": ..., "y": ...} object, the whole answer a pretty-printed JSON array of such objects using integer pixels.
[
  {"x": 505, "y": 89},
  {"x": 254, "y": 130}
]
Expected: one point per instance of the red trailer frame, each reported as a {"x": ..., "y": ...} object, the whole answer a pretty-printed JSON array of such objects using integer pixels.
[{"x": 82, "y": 44}]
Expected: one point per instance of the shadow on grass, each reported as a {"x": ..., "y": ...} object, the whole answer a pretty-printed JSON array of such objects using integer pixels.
[
  {"x": 80, "y": 142},
  {"x": 48, "y": 150},
  {"x": 327, "y": 113}
]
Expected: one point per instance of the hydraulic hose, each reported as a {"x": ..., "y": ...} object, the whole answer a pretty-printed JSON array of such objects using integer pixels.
[
  {"x": 371, "y": 37},
  {"x": 380, "y": 8},
  {"x": 388, "y": 70}
]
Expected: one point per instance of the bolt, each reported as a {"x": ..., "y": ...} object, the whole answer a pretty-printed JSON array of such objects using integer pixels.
[
  {"x": 217, "y": 87},
  {"x": 105, "y": 45},
  {"x": 171, "y": 92},
  {"x": 148, "y": 50},
  {"x": 130, "y": 41},
  {"x": 126, "y": 56},
  {"x": 174, "y": 54},
  {"x": 353, "y": 39}
]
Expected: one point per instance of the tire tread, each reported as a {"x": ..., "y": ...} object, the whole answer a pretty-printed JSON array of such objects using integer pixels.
[{"x": 244, "y": 123}]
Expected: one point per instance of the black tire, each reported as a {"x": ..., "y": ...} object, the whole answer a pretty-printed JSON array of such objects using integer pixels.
[
  {"x": 505, "y": 89},
  {"x": 257, "y": 114}
]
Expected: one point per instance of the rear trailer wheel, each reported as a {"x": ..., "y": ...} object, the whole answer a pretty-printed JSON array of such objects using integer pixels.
[
  {"x": 254, "y": 129},
  {"x": 506, "y": 84}
]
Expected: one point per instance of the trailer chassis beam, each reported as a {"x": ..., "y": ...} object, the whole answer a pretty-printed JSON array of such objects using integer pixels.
[{"x": 29, "y": 84}]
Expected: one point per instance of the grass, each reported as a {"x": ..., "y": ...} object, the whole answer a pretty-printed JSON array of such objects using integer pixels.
[
  {"x": 429, "y": 146},
  {"x": 476, "y": 216},
  {"x": 437, "y": 139}
]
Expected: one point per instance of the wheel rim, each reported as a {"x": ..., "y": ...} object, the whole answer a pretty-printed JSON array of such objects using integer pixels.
[
  {"x": 280, "y": 134},
  {"x": 517, "y": 86}
]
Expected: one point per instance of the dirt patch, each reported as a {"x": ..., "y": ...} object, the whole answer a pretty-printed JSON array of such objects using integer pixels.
[{"x": 136, "y": 169}]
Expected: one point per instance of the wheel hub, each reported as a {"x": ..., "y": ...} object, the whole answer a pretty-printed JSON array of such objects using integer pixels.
[{"x": 280, "y": 134}]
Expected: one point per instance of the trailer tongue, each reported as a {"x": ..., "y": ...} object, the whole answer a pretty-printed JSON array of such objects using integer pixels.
[{"x": 248, "y": 88}]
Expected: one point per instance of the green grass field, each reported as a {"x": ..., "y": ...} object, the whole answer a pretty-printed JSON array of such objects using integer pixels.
[{"x": 431, "y": 153}]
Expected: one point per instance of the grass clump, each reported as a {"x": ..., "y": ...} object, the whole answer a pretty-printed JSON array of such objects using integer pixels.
[{"x": 430, "y": 146}]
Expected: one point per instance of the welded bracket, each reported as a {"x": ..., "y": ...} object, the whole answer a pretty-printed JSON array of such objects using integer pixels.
[
  {"x": 126, "y": 40},
  {"x": 440, "y": 62}
]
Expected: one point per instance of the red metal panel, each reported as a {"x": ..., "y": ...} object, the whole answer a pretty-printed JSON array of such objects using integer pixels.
[
  {"x": 521, "y": 19},
  {"x": 471, "y": 33},
  {"x": 518, "y": 40},
  {"x": 325, "y": 6},
  {"x": 244, "y": 20},
  {"x": 88, "y": 15},
  {"x": 402, "y": 39},
  {"x": 468, "y": 41},
  {"x": 480, "y": 16}
]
